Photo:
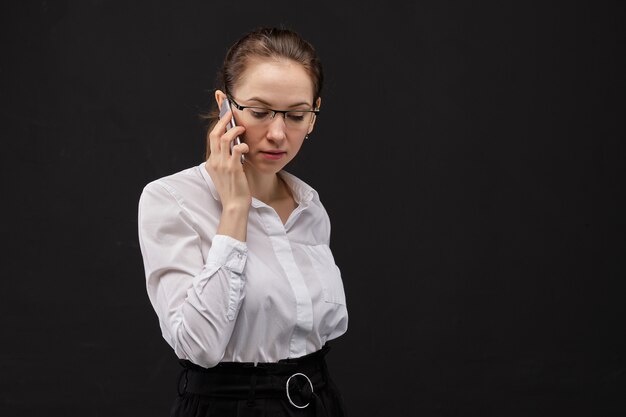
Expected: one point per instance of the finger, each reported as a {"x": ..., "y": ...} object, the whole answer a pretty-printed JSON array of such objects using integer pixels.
[
  {"x": 217, "y": 132},
  {"x": 227, "y": 138},
  {"x": 242, "y": 148}
]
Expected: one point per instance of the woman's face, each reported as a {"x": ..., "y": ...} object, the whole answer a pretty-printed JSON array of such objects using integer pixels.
[{"x": 278, "y": 84}]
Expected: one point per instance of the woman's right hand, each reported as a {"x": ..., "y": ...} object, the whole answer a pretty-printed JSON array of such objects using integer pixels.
[{"x": 230, "y": 180}]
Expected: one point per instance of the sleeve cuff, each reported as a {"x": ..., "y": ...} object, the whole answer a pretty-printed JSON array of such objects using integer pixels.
[{"x": 228, "y": 252}]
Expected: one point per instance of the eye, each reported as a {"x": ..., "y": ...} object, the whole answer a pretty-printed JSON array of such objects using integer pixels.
[
  {"x": 259, "y": 113},
  {"x": 296, "y": 116}
]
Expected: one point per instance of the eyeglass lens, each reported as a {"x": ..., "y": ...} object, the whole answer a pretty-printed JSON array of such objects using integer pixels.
[{"x": 293, "y": 119}]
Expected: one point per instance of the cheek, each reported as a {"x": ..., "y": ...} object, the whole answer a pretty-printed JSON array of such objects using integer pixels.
[
  {"x": 252, "y": 135},
  {"x": 296, "y": 145}
]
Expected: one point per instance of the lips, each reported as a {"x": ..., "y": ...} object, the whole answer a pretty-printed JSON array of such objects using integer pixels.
[{"x": 273, "y": 154}]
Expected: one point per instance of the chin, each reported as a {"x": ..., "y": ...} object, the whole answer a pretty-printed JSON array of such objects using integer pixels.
[{"x": 263, "y": 167}]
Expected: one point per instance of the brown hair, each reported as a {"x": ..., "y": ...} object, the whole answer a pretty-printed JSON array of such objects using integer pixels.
[{"x": 264, "y": 42}]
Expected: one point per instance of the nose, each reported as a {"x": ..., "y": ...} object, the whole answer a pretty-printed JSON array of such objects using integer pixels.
[{"x": 276, "y": 128}]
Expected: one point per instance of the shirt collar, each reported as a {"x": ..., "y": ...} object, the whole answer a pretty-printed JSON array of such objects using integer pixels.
[
  {"x": 209, "y": 181},
  {"x": 303, "y": 193}
]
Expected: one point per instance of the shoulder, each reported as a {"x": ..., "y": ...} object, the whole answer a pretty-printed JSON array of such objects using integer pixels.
[
  {"x": 185, "y": 194},
  {"x": 182, "y": 186},
  {"x": 174, "y": 183}
]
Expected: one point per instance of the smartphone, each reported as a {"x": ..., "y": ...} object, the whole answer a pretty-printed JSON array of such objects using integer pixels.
[{"x": 225, "y": 108}]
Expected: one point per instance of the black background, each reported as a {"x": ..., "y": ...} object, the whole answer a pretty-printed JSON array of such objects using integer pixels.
[{"x": 470, "y": 154}]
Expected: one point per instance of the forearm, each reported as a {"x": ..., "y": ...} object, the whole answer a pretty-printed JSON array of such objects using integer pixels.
[
  {"x": 197, "y": 317},
  {"x": 202, "y": 326}
]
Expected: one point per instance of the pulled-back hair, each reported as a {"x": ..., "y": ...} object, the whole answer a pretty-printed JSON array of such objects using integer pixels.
[{"x": 264, "y": 42}]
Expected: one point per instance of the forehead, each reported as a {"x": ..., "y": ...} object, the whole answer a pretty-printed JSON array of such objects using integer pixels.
[{"x": 276, "y": 81}]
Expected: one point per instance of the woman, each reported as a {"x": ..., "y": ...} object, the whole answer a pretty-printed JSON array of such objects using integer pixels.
[{"x": 236, "y": 250}]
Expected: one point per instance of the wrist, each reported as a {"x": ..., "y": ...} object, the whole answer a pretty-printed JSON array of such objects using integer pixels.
[
  {"x": 234, "y": 221},
  {"x": 236, "y": 208}
]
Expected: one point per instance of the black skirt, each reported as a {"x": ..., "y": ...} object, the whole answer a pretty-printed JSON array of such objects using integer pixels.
[{"x": 291, "y": 387}]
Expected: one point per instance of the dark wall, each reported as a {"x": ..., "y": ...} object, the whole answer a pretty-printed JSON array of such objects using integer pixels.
[{"x": 471, "y": 156}]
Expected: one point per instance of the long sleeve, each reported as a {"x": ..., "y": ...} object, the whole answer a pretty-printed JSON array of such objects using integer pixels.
[
  {"x": 196, "y": 300},
  {"x": 277, "y": 295}
]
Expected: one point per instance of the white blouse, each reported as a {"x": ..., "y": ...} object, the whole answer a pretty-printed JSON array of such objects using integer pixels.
[{"x": 279, "y": 295}]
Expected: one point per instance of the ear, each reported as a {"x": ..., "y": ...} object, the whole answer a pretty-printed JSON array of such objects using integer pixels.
[
  {"x": 220, "y": 96},
  {"x": 318, "y": 103}
]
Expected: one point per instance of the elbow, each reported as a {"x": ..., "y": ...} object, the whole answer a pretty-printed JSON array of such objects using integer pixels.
[
  {"x": 207, "y": 358},
  {"x": 199, "y": 350}
]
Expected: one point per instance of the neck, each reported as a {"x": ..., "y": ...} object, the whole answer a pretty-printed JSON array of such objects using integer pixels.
[{"x": 266, "y": 188}]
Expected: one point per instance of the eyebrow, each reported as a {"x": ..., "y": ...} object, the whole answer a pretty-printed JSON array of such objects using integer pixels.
[{"x": 269, "y": 105}]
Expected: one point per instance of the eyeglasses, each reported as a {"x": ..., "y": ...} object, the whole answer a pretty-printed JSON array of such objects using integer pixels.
[{"x": 256, "y": 116}]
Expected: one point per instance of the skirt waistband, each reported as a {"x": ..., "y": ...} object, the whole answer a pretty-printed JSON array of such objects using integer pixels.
[{"x": 296, "y": 379}]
